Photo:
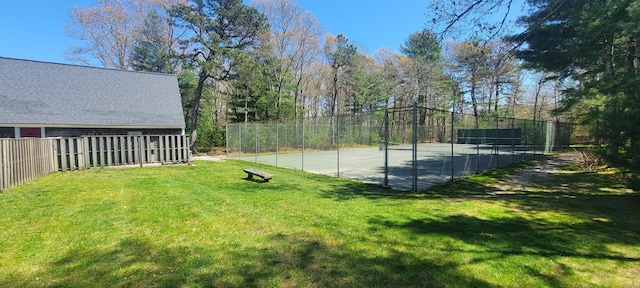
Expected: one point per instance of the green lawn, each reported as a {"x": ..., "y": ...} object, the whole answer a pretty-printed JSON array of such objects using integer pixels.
[{"x": 204, "y": 226}]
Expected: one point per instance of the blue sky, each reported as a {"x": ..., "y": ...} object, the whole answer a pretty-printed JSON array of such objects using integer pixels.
[{"x": 34, "y": 29}]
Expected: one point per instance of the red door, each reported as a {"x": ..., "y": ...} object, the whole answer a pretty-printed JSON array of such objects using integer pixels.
[{"x": 30, "y": 132}]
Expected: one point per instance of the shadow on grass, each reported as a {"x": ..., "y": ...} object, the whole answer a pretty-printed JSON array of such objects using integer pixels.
[
  {"x": 348, "y": 190},
  {"x": 499, "y": 239},
  {"x": 286, "y": 260},
  {"x": 519, "y": 236},
  {"x": 302, "y": 259},
  {"x": 587, "y": 194}
]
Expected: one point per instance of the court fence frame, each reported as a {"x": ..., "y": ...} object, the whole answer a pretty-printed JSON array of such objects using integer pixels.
[{"x": 474, "y": 144}]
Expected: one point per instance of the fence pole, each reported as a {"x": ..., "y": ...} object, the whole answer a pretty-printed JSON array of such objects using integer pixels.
[
  {"x": 535, "y": 137},
  {"x": 513, "y": 141},
  {"x": 337, "y": 129},
  {"x": 497, "y": 144},
  {"x": 226, "y": 140},
  {"x": 4, "y": 177},
  {"x": 386, "y": 147},
  {"x": 140, "y": 150},
  {"x": 452, "y": 140},
  {"x": 302, "y": 154},
  {"x": 477, "y": 144},
  {"x": 240, "y": 140},
  {"x": 414, "y": 141}
]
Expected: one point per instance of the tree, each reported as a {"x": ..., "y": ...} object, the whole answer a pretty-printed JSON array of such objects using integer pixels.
[
  {"x": 154, "y": 51},
  {"x": 425, "y": 52},
  {"x": 217, "y": 31},
  {"x": 503, "y": 72},
  {"x": 456, "y": 17},
  {"x": 110, "y": 31},
  {"x": 107, "y": 30},
  {"x": 594, "y": 44},
  {"x": 253, "y": 97},
  {"x": 340, "y": 54},
  {"x": 187, "y": 83},
  {"x": 295, "y": 42},
  {"x": 471, "y": 63},
  {"x": 365, "y": 86},
  {"x": 422, "y": 45}
]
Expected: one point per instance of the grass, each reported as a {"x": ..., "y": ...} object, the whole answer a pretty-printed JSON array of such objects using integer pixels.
[{"x": 204, "y": 226}]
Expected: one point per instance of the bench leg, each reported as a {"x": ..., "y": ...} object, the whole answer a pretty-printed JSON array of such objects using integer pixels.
[{"x": 249, "y": 176}]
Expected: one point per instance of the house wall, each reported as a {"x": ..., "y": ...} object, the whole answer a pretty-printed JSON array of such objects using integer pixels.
[
  {"x": 15, "y": 132},
  {"x": 77, "y": 132}
]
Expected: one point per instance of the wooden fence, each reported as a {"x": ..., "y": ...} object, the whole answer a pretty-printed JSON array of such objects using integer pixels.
[
  {"x": 22, "y": 160},
  {"x": 102, "y": 151},
  {"x": 26, "y": 159}
]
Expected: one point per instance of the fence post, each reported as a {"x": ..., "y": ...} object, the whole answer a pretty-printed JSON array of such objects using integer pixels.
[
  {"x": 86, "y": 152},
  {"x": 302, "y": 154},
  {"x": 453, "y": 123},
  {"x": 3, "y": 169},
  {"x": 414, "y": 150},
  {"x": 226, "y": 141},
  {"x": 139, "y": 138},
  {"x": 80, "y": 151},
  {"x": 63, "y": 154},
  {"x": 386, "y": 147},
  {"x": 497, "y": 143},
  {"x": 147, "y": 149},
  {"x": 257, "y": 141},
  {"x": 477, "y": 144},
  {"x": 54, "y": 155},
  {"x": 337, "y": 129},
  {"x": 513, "y": 141}
]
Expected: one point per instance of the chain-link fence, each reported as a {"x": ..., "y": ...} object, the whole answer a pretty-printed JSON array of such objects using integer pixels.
[{"x": 404, "y": 148}]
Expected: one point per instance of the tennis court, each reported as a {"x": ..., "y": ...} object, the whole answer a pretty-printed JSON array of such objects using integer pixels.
[
  {"x": 442, "y": 145},
  {"x": 436, "y": 163}
]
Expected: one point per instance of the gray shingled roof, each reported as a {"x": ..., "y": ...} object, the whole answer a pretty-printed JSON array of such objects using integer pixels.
[{"x": 51, "y": 94}]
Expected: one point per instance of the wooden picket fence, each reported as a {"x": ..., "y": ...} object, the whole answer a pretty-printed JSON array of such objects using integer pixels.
[
  {"x": 23, "y": 160},
  {"x": 102, "y": 151}
]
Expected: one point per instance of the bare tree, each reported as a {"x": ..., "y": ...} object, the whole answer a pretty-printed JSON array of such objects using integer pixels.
[
  {"x": 455, "y": 17},
  {"x": 316, "y": 85},
  {"x": 110, "y": 30},
  {"x": 470, "y": 62},
  {"x": 295, "y": 38}
]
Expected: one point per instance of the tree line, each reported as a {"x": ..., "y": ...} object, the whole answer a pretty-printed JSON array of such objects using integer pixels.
[{"x": 271, "y": 60}]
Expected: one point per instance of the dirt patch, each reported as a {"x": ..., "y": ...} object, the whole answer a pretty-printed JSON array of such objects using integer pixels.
[
  {"x": 542, "y": 171},
  {"x": 208, "y": 157}
]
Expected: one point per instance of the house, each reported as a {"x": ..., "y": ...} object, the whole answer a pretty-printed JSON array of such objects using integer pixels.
[{"x": 40, "y": 99}]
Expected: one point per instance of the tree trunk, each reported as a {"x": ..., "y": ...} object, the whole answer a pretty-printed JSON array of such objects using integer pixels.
[
  {"x": 632, "y": 55},
  {"x": 195, "y": 107},
  {"x": 495, "y": 107},
  {"x": 334, "y": 100},
  {"x": 474, "y": 100},
  {"x": 609, "y": 54}
]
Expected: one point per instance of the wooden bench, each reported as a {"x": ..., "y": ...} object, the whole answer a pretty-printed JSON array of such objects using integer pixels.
[{"x": 255, "y": 172}]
